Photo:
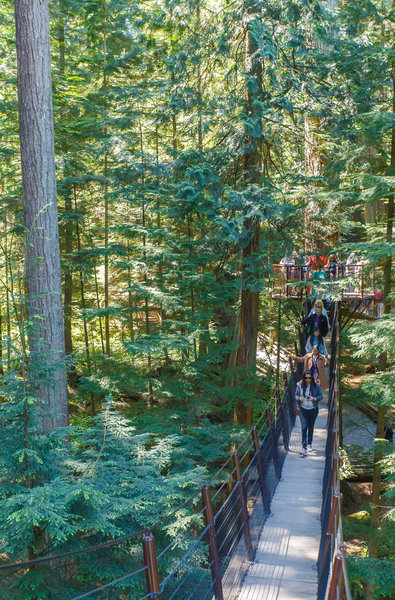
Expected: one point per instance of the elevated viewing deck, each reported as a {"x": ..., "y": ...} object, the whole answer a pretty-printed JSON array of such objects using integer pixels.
[{"x": 347, "y": 282}]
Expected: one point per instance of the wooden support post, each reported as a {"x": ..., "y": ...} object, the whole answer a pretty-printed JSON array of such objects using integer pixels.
[
  {"x": 276, "y": 460},
  {"x": 277, "y": 401},
  {"x": 243, "y": 506},
  {"x": 336, "y": 498},
  {"x": 284, "y": 425},
  {"x": 261, "y": 470},
  {"x": 291, "y": 398},
  {"x": 336, "y": 507},
  {"x": 278, "y": 342},
  {"x": 285, "y": 378},
  {"x": 335, "y": 582},
  {"x": 212, "y": 540},
  {"x": 151, "y": 564}
]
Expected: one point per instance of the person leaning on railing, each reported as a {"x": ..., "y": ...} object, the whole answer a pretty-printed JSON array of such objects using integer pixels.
[{"x": 308, "y": 394}]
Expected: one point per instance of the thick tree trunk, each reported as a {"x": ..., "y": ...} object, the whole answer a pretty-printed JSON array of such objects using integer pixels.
[
  {"x": 43, "y": 275},
  {"x": 249, "y": 308}
]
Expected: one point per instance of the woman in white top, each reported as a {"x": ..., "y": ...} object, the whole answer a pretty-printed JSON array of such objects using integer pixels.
[{"x": 308, "y": 394}]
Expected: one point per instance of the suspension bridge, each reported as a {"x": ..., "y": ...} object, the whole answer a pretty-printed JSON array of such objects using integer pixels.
[{"x": 266, "y": 526}]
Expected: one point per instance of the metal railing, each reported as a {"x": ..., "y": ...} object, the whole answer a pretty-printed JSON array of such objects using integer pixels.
[
  {"x": 333, "y": 581},
  {"x": 211, "y": 554},
  {"x": 216, "y": 563},
  {"x": 344, "y": 281}
]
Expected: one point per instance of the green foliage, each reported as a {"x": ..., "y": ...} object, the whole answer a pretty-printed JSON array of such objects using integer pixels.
[
  {"x": 382, "y": 572},
  {"x": 153, "y": 141}
]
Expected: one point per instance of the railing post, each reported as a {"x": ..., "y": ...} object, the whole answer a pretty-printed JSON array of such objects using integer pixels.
[
  {"x": 291, "y": 400},
  {"x": 151, "y": 564},
  {"x": 243, "y": 506},
  {"x": 212, "y": 538},
  {"x": 285, "y": 378},
  {"x": 337, "y": 571},
  {"x": 276, "y": 460},
  {"x": 330, "y": 533},
  {"x": 284, "y": 427},
  {"x": 277, "y": 401},
  {"x": 261, "y": 470}
]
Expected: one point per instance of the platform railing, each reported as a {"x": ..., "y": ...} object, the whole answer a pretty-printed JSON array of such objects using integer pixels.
[
  {"x": 333, "y": 581},
  {"x": 357, "y": 280}
]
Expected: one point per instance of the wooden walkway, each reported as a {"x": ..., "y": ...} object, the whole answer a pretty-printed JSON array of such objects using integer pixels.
[{"x": 285, "y": 561}]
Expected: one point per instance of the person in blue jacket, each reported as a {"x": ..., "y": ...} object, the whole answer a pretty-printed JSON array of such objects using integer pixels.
[{"x": 308, "y": 395}]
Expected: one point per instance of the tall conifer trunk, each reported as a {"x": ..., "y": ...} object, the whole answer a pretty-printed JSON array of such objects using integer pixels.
[
  {"x": 43, "y": 274},
  {"x": 249, "y": 309},
  {"x": 68, "y": 228}
]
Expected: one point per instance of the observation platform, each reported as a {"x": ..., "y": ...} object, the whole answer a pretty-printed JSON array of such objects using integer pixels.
[
  {"x": 285, "y": 561},
  {"x": 348, "y": 282}
]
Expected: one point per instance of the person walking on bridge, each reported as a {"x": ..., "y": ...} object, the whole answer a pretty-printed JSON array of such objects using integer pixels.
[
  {"x": 308, "y": 394},
  {"x": 316, "y": 339},
  {"x": 313, "y": 311},
  {"x": 315, "y": 362},
  {"x": 315, "y": 321}
]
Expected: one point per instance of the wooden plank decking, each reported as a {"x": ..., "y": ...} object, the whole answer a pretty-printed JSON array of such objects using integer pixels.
[{"x": 285, "y": 562}]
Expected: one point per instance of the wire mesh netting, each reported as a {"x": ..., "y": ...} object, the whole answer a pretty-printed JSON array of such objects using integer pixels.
[
  {"x": 326, "y": 550},
  {"x": 191, "y": 576},
  {"x": 95, "y": 574}
]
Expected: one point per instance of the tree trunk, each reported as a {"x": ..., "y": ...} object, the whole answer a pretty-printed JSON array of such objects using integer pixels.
[
  {"x": 312, "y": 159},
  {"x": 1, "y": 343},
  {"x": 248, "y": 328},
  {"x": 378, "y": 453},
  {"x": 106, "y": 216},
  {"x": 390, "y": 212},
  {"x": 43, "y": 274},
  {"x": 7, "y": 296},
  {"x": 146, "y": 306},
  {"x": 199, "y": 87},
  {"x": 68, "y": 229},
  {"x": 83, "y": 306}
]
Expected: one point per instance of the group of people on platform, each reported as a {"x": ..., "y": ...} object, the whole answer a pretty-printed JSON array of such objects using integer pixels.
[
  {"x": 316, "y": 267},
  {"x": 319, "y": 269},
  {"x": 309, "y": 390}
]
